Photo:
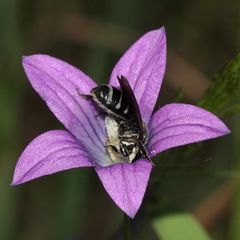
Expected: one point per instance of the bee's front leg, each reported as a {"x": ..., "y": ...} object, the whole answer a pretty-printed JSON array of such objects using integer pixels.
[
  {"x": 145, "y": 153},
  {"x": 84, "y": 96}
]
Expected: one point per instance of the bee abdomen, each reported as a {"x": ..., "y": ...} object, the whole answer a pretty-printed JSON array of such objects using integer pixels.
[{"x": 110, "y": 99}]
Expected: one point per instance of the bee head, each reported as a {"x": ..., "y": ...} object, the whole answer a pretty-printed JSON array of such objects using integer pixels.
[{"x": 129, "y": 149}]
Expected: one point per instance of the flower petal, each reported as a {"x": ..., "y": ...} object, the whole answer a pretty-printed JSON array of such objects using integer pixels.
[
  {"x": 50, "y": 152},
  {"x": 57, "y": 83},
  {"x": 126, "y": 183},
  {"x": 179, "y": 124},
  {"x": 144, "y": 65}
]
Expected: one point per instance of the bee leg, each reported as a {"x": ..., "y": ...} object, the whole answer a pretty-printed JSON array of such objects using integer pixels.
[
  {"x": 145, "y": 153},
  {"x": 84, "y": 96},
  {"x": 99, "y": 114},
  {"x": 111, "y": 146}
]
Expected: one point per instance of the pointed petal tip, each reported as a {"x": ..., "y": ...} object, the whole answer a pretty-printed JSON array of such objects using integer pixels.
[
  {"x": 19, "y": 180},
  {"x": 227, "y": 131},
  {"x": 27, "y": 59},
  {"x": 14, "y": 183},
  {"x": 131, "y": 215},
  {"x": 163, "y": 29},
  {"x": 222, "y": 128},
  {"x": 24, "y": 59}
]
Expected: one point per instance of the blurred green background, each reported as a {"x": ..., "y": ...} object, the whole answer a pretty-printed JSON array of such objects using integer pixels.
[{"x": 202, "y": 180}]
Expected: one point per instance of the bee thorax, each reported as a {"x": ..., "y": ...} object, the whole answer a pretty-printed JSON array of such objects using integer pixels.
[{"x": 128, "y": 130}]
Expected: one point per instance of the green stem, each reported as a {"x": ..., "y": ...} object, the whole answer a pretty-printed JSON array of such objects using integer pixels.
[{"x": 126, "y": 223}]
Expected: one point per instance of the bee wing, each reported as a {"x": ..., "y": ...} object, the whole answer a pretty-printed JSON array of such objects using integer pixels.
[{"x": 129, "y": 95}]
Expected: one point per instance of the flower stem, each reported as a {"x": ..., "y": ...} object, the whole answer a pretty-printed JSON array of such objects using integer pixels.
[{"x": 126, "y": 223}]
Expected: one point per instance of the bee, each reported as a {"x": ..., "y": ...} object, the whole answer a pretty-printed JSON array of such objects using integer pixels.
[{"x": 126, "y": 131}]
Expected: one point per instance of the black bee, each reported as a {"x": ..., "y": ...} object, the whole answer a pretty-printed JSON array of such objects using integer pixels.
[{"x": 126, "y": 131}]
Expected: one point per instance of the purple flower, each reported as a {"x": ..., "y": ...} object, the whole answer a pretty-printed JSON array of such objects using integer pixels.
[{"x": 83, "y": 145}]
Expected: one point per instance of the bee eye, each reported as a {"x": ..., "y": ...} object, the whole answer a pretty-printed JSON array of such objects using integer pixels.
[{"x": 124, "y": 152}]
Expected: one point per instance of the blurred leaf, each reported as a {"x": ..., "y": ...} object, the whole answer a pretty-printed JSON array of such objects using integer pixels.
[
  {"x": 179, "y": 227},
  {"x": 10, "y": 105},
  {"x": 222, "y": 96},
  {"x": 235, "y": 216}
]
